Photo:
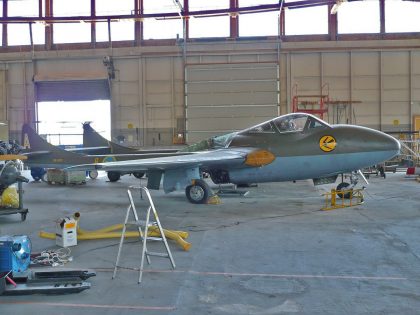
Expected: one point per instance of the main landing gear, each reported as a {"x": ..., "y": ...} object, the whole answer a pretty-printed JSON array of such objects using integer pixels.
[
  {"x": 199, "y": 192},
  {"x": 113, "y": 176}
]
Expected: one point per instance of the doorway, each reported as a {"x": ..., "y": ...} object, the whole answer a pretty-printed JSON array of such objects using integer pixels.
[{"x": 61, "y": 121}]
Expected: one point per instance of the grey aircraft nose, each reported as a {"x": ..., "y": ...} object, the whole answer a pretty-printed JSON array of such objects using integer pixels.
[
  {"x": 381, "y": 142},
  {"x": 392, "y": 144},
  {"x": 362, "y": 139}
]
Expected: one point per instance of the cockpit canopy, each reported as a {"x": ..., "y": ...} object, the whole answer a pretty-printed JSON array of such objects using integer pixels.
[{"x": 295, "y": 122}]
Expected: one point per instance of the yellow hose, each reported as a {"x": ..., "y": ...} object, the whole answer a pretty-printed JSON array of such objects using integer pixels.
[
  {"x": 93, "y": 236},
  {"x": 109, "y": 232}
]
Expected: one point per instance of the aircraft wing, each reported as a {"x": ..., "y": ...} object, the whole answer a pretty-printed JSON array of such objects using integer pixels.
[{"x": 228, "y": 157}]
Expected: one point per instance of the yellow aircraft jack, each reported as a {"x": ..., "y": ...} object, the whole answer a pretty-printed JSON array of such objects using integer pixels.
[
  {"x": 114, "y": 231},
  {"x": 343, "y": 199}
]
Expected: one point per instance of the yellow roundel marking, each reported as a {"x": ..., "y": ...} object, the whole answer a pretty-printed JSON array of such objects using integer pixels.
[
  {"x": 327, "y": 143},
  {"x": 259, "y": 158}
]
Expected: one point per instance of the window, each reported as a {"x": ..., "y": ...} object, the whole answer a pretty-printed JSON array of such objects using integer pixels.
[
  {"x": 304, "y": 21},
  {"x": 161, "y": 28},
  {"x": 266, "y": 127},
  {"x": 217, "y": 26},
  {"x": 196, "y": 5},
  {"x": 158, "y": 29},
  {"x": 71, "y": 32},
  {"x": 297, "y": 122},
  {"x": 259, "y": 24},
  {"x": 395, "y": 9},
  {"x": 18, "y": 34},
  {"x": 209, "y": 27},
  {"x": 120, "y": 30},
  {"x": 367, "y": 17}
]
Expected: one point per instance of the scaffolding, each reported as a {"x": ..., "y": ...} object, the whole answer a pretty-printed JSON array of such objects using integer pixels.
[{"x": 315, "y": 104}]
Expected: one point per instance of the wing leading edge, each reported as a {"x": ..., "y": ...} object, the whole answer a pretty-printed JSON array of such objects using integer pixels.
[{"x": 231, "y": 157}]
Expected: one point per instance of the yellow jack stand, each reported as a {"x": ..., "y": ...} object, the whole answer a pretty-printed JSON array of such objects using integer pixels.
[{"x": 332, "y": 202}]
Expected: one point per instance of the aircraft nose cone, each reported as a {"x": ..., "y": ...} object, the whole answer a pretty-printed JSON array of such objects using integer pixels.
[
  {"x": 391, "y": 144},
  {"x": 382, "y": 142},
  {"x": 379, "y": 145}
]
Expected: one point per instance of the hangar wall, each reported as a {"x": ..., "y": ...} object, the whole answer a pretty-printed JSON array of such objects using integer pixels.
[{"x": 227, "y": 86}]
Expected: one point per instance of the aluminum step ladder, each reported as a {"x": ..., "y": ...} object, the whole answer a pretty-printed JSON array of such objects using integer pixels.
[{"x": 151, "y": 211}]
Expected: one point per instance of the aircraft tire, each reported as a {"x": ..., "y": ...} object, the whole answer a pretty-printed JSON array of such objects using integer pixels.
[
  {"x": 197, "y": 193},
  {"x": 114, "y": 176},
  {"x": 138, "y": 174},
  {"x": 37, "y": 173},
  {"x": 93, "y": 174},
  {"x": 343, "y": 186}
]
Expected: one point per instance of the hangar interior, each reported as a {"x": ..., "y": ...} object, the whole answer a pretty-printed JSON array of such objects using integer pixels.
[
  {"x": 172, "y": 73},
  {"x": 162, "y": 91}
]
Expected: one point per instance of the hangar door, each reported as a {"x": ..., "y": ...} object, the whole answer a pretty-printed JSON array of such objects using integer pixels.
[
  {"x": 63, "y": 105},
  {"x": 228, "y": 97},
  {"x": 72, "y": 90}
]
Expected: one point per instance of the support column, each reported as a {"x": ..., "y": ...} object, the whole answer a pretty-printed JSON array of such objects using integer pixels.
[
  {"x": 4, "y": 32},
  {"x": 332, "y": 24},
  {"x": 48, "y": 27},
  {"x": 382, "y": 16},
  {"x": 138, "y": 24},
  {"x": 93, "y": 24},
  {"x": 234, "y": 20}
]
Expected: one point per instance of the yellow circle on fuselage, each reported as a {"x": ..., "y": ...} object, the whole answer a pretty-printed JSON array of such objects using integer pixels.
[{"x": 327, "y": 143}]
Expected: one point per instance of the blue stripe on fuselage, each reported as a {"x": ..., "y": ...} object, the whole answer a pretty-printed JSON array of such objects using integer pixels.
[{"x": 308, "y": 167}]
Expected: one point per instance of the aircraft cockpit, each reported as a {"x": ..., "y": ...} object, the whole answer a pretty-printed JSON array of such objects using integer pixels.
[{"x": 297, "y": 122}]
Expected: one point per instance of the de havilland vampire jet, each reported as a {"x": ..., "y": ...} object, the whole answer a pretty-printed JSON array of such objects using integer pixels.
[{"x": 291, "y": 147}]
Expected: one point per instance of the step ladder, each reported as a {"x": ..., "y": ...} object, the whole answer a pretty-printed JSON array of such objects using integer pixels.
[{"x": 143, "y": 227}]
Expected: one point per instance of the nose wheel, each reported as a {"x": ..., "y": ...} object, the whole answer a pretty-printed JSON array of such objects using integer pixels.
[
  {"x": 198, "y": 192},
  {"x": 341, "y": 187}
]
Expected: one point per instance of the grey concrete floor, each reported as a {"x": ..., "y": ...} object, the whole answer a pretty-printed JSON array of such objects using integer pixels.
[{"x": 271, "y": 252}]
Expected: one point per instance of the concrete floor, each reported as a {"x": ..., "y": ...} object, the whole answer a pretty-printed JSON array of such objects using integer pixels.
[{"x": 272, "y": 252}]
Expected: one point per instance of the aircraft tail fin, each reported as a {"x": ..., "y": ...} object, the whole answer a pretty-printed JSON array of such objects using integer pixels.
[
  {"x": 34, "y": 145},
  {"x": 32, "y": 142},
  {"x": 91, "y": 138}
]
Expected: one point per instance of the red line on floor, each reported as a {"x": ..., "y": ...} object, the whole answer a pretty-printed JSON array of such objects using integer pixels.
[{"x": 272, "y": 275}]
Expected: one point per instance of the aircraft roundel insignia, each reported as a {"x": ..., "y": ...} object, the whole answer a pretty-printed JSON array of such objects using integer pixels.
[
  {"x": 109, "y": 159},
  {"x": 327, "y": 143}
]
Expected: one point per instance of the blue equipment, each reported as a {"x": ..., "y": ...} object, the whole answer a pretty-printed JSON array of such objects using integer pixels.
[{"x": 15, "y": 253}]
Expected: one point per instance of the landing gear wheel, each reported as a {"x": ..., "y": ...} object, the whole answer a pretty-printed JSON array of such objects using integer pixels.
[
  {"x": 138, "y": 175},
  {"x": 93, "y": 174},
  {"x": 343, "y": 186},
  {"x": 37, "y": 173},
  {"x": 44, "y": 178},
  {"x": 114, "y": 176},
  {"x": 198, "y": 193}
]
